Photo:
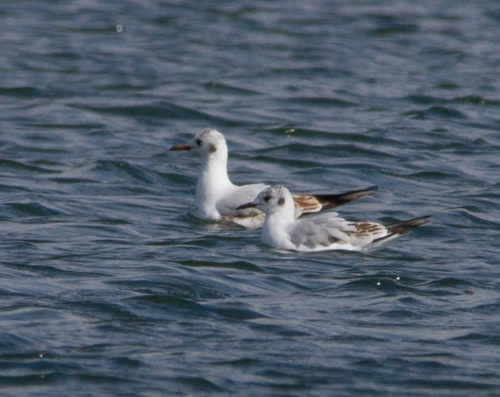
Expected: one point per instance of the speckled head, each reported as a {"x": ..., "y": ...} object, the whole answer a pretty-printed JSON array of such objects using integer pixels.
[{"x": 273, "y": 199}]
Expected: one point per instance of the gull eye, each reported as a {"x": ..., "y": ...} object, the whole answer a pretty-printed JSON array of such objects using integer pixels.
[
  {"x": 199, "y": 142},
  {"x": 267, "y": 198}
]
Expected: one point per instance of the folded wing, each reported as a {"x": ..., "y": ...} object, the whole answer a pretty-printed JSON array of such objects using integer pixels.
[
  {"x": 239, "y": 196},
  {"x": 311, "y": 203},
  {"x": 317, "y": 233}
]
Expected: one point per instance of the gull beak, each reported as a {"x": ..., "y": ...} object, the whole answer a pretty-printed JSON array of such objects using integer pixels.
[
  {"x": 182, "y": 146},
  {"x": 247, "y": 205}
]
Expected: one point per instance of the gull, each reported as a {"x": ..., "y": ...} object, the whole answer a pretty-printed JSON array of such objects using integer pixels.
[
  {"x": 321, "y": 232},
  {"x": 217, "y": 198}
]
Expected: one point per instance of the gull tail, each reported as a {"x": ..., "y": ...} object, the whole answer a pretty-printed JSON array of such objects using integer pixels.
[{"x": 334, "y": 200}]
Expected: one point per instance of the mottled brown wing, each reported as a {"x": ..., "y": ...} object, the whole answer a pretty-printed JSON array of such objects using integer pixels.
[
  {"x": 365, "y": 230},
  {"x": 312, "y": 203},
  {"x": 306, "y": 203},
  {"x": 249, "y": 222}
]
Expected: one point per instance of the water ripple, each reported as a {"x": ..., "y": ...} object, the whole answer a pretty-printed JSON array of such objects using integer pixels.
[{"x": 110, "y": 285}]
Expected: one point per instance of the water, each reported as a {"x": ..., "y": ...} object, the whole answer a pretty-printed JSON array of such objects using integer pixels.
[{"x": 109, "y": 286}]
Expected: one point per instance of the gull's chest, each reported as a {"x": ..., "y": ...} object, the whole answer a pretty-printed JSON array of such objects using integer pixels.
[{"x": 275, "y": 233}]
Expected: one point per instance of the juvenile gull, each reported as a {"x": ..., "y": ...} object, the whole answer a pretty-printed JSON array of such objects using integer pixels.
[
  {"x": 217, "y": 198},
  {"x": 320, "y": 232}
]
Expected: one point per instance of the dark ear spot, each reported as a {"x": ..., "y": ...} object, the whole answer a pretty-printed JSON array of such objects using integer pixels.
[
  {"x": 281, "y": 201},
  {"x": 213, "y": 148}
]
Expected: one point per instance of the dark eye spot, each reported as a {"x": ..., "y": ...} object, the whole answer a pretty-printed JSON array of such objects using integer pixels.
[
  {"x": 267, "y": 198},
  {"x": 281, "y": 201},
  {"x": 199, "y": 142}
]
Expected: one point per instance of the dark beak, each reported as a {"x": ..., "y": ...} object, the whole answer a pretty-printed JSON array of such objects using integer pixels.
[
  {"x": 182, "y": 146},
  {"x": 247, "y": 205}
]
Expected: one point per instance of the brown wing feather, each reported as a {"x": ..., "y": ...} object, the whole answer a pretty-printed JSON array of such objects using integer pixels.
[
  {"x": 311, "y": 203},
  {"x": 251, "y": 221},
  {"x": 365, "y": 229},
  {"x": 306, "y": 203}
]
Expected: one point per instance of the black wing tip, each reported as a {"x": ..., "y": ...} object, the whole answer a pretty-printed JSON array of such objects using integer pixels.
[
  {"x": 407, "y": 226},
  {"x": 373, "y": 188},
  {"x": 334, "y": 200},
  {"x": 397, "y": 229}
]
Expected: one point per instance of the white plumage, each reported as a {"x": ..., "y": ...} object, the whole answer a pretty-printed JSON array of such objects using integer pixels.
[
  {"x": 217, "y": 198},
  {"x": 321, "y": 232}
]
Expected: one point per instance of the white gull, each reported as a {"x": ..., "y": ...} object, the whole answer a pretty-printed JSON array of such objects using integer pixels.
[
  {"x": 320, "y": 232},
  {"x": 217, "y": 198}
]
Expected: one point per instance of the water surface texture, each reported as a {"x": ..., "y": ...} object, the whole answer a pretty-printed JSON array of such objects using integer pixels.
[{"x": 108, "y": 286}]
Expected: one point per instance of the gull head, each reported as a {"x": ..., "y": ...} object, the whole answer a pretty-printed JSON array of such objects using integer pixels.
[
  {"x": 209, "y": 143},
  {"x": 273, "y": 199}
]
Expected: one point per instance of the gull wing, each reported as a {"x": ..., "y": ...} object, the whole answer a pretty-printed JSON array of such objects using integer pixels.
[
  {"x": 324, "y": 231},
  {"x": 320, "y": 232},
  {"x": 241, "y": 195},
  {"x": 311, "y": 203}
]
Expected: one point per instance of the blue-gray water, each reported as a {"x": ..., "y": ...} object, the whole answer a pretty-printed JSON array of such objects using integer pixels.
[{"x": 109, "y": 286}]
